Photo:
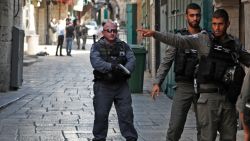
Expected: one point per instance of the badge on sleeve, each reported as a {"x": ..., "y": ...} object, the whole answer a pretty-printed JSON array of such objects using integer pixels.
[{"x": 122, "y": 53}]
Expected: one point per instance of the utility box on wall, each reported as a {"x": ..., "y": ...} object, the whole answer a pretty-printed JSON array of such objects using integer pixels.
[
  {"x": 16, "y": 78},
  {"x": 131, "y": 10}
]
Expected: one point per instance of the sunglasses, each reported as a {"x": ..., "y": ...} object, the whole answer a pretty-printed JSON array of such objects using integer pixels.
[{"x": 111, "y": 30}]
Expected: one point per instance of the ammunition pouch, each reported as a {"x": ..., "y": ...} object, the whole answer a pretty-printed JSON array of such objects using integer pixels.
[
  {"x": 229, "y": 77},
  {"x": 210, "y": 70},
  {"x": 246, "y": 111},
  {"x": 233, "y": 80},
  {"x": 185, "y": 63}
]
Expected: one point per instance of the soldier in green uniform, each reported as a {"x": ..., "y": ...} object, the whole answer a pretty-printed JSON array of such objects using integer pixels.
[
  {"x": 243, "y": 106},
  {"x": 185, "y": 62},
  {"x": 84, "y": 32},
  {"x": 218, "y": 53}
]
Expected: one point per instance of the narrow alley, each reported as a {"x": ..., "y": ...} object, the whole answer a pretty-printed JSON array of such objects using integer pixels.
[{"x": 57, "y": 105}]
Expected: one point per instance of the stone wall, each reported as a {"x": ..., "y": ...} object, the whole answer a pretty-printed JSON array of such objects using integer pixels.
[
  {"x": 247, "y": 23},
  {"x": 123, "y": 15},
  {"x": 239, "y": 27},
  {"x": 58, "y": 11},
  {"x": 6, "y": 16},
  {"x": 233, "y": 9},
  {"x": 7, "y": 21}
]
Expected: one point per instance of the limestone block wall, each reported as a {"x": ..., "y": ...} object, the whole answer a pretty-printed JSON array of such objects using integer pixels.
[
  {"x": 123, "y": 14},
  {"x": 233, "y": 9},
  {"x": 58, "y": 11},
  {"x": 234, "y": 27},
  {"x": 247, "y": 24},
  {"x": 7, "y": 20},
  {"x": 41, "y": 25},
  {"x": 239, "y": 26},
  {"x": 6, "y": 17}
]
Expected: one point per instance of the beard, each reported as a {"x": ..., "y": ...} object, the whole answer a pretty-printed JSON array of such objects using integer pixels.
[{"x": 193, "y": 24}]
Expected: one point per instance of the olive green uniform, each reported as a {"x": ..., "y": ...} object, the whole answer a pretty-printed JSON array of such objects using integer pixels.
[
  {"x": 244, "y": 93},
  {"x": 215, "y": 111},
  {"x": 244, "y": 100},
  {"x": 184, "y": 92}
]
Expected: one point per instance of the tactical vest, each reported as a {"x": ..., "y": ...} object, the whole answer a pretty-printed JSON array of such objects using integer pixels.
[
  {"x": 221, "y": 67},
  {"x": 213, "y": 67},
  {"x": 112, "y": 54},
  {"x": 115, "y": 53},
  {"x": 185, "y": 61}
]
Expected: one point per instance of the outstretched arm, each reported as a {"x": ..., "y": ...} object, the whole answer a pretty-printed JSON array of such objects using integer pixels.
[{"x": 172, "y": 39}]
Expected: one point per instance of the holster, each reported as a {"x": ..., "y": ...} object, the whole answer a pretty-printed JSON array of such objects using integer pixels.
[{"x": 109, "y": 77}]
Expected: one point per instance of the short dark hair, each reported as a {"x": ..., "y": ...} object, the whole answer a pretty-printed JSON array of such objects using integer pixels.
[
  {"x": 103, "y": 23},
  {"x": 192, "y": 6},
  {"x": 221, "y": 13}
]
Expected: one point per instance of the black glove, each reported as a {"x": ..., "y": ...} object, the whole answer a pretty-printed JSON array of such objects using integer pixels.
[
  {"x": 114, "y": 66},
  {"x": 125, "y": 73},
  {"x": 124, "y": 69}
]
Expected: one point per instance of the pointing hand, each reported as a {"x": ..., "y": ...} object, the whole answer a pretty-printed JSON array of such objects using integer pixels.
[{"x": 146, "y": 32}]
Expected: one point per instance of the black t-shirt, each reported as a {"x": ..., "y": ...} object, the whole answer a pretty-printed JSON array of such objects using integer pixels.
[{"x": 70, "y": 31}]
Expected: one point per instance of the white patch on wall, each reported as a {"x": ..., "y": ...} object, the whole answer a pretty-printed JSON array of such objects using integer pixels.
[{"x": 151, "y": 2}]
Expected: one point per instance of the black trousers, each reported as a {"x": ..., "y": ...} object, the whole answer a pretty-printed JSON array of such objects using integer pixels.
[
  {"x": 60, "y": 43},
  {"x": 104, "y": 96}
]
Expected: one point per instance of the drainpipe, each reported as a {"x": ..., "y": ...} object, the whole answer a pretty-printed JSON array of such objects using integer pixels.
[
  {"x": 153, "y": 72},
  {"x": 47, "y": 21}
]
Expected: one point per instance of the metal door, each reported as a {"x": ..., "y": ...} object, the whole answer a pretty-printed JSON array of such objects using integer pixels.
[
  {"x": 145, "y": 24},
  {"x": 16, "y": 77},
  {"x": 131, "y": 10}
]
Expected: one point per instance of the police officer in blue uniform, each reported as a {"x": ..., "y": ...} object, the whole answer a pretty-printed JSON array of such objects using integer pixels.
[{"x": 113, "y": 61}]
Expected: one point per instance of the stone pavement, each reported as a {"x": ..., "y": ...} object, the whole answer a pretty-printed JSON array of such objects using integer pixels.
[{"x": 55, "y": 104}]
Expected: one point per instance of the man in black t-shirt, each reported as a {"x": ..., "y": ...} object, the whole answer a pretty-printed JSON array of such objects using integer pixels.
[{"x": 69, "y": 37}]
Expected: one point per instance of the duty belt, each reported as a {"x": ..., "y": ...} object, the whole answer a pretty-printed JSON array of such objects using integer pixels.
[
  {"x": 207, "y": 88},
  {"x": 210, "y": 90}
]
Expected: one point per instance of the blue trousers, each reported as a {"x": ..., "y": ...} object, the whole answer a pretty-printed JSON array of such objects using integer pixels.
[{"x": 69, "y": 42}]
